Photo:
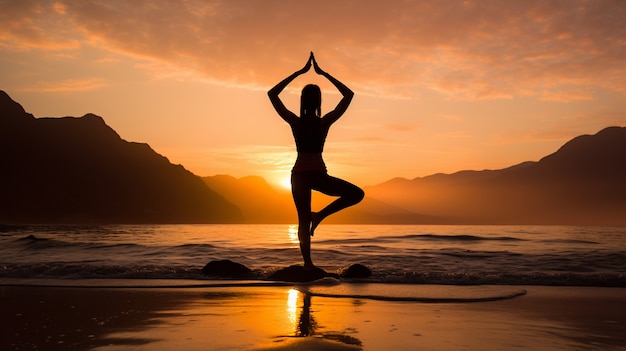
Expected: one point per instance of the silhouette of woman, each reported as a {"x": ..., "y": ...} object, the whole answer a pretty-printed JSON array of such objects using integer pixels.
[{"x": 309, "y": 172}]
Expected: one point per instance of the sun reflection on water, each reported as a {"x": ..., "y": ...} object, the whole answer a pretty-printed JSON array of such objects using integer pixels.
[
  {"x": 292, "y": 306},
  {"x": 293, "y": 233}
]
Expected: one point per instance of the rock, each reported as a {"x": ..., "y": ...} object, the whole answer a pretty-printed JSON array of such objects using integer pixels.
[
  {"x": 298, "y": 274},
  {"x": 356, "y": 271},
  {"x": 226, "y": 268}
]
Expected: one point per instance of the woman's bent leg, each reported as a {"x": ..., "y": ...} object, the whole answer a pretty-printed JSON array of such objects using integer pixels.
[{"x": 349, "y": 195}]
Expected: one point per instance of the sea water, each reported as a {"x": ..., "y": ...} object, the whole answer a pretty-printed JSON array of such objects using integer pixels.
[{"x": 410, "y": 254}]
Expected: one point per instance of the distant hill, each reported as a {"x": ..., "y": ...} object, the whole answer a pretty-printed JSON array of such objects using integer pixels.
[
  {"x": 584, "y": 183},
  {"x": 79, "y": 170},
  {"x": 261, "y": 203}
]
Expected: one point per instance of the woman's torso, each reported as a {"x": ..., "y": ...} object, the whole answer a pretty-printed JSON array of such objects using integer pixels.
[{"x": 309, "y": 134}]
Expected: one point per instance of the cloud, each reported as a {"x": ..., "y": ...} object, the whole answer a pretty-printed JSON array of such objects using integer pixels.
[
  {"x": 31, "y": 24},
  {"x": 565, "y": 95},
  {"x": 401, "y": 127},
  {"x": 469, "y": 50},
  {"x": 263, "y": 157},
  {"x": 66, "y": 85}
]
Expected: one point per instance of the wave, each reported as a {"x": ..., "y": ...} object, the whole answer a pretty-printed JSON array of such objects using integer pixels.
[
  {"x": 31, "y": 241},
  {"x": 470, "y": 254},
  {"x": 98, "y": 271},
  {"x": 437, "y": 238},
  {"x": 461, "y": 237},
  {"x": 570, "y": 241},
  {"x": 397, "y": 292},
  {"x": 325, "y": 287},
  {"x": 408, "y": 259}
]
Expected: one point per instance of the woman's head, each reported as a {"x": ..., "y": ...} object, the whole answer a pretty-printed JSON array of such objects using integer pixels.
[{"x": 311, "y": 101}]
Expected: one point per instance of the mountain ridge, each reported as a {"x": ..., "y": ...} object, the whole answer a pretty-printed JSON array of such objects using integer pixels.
[
  {"x": 583, "y": 182},
  {"x": 79, "y": 170},
  {"x": 262, "y": 203}
]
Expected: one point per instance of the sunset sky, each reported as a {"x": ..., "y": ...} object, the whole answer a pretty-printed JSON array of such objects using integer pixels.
[{"x": 441, "y": 86}]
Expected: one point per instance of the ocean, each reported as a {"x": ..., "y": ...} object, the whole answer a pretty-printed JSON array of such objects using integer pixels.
[{"x": 408, "y": 254}]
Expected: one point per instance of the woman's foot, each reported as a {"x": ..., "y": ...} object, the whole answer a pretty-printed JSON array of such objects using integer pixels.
[
  {"x": 309, "y": 267},
  {"x": 315, "y": 221}
]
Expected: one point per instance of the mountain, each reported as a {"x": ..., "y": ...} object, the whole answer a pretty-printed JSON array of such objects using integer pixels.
[
  {"x": 583, "y": 183},
  {"x": 79, "y": 170},
  {"x": 261, "y": 203}
]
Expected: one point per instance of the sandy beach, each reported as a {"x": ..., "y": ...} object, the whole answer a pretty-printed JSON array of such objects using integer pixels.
[{"x": 298, "y": 318}]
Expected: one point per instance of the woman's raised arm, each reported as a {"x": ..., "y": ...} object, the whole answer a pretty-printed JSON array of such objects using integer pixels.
[
  {"x": 273, "y": 93},
  {"x": 332, "y": 116}
]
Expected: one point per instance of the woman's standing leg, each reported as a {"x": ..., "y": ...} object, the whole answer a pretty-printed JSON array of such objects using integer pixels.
[
  {"x": 301, "y": 191},
  {"x": 349, "y": 195}
]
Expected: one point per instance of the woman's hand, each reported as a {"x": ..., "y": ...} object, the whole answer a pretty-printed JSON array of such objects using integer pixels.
[
  {"x": 306, "y": 67},
  {"x": 343, "y": 104},
  {"x": 317, "y": 68},
  {"x": 273, "y": 93}
]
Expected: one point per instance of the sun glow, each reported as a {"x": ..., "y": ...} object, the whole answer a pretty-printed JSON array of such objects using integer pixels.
[{"x": 286, "y": 183}]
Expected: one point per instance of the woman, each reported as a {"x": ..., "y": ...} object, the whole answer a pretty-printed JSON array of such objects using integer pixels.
[{"x": 309, "y": 172}]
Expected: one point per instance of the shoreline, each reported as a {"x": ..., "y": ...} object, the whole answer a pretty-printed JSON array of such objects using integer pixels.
[{"x": 287, "y": 317}]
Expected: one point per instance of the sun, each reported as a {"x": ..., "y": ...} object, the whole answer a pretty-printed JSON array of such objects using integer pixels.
[{"x": 285, "y": 183}]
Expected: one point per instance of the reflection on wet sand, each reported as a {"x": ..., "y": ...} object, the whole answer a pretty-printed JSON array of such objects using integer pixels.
[
  {"x": 160, "y": 319},
  {"x": 284, "y": 318},
  {"x": 306, "y": 333},
  {"x": 306, "y": 326}
]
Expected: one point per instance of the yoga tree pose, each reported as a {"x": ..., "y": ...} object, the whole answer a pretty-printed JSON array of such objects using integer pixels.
[{"x": 309, "y": 172}]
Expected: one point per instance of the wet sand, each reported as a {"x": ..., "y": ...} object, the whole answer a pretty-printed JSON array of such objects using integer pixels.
[{"x": 284, "y": 318}]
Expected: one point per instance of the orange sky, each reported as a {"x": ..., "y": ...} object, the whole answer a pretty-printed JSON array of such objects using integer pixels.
[{"x": 440, "y": 85}]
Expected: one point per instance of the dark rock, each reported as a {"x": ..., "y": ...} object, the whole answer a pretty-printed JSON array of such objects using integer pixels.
[
  {"x": 356, "y": 271},
  {"x": 298, "y": 274},
  {"x": 226, "y": 268}
]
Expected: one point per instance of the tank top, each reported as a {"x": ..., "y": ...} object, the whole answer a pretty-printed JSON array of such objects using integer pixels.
[{"x": 309, "y": 134}]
